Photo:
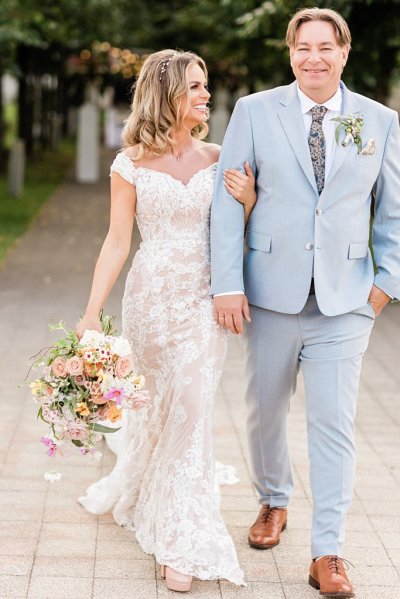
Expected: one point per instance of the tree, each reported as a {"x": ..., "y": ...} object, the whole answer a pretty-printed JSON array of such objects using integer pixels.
[
  {"x": 13, "y": 31},
  {"x": 375, "y": 59},
  {"x": 373, "y": 63},
  {"x": 242, "y": 41},
  {"x": 36, "y": 38}
]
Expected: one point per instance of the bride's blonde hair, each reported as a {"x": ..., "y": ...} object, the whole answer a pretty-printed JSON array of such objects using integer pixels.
[{"x": 158, "y": 94}]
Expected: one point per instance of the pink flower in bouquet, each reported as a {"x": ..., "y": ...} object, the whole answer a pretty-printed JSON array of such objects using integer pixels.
[
  {"x": 96, "y": 392},
  {"x": 92, "y": 452},
  {"x": 99, "y": 400},
  {"x": 116, "y": 394},
  {"x": 51, "y": 446},
  {"x": 49, "y": 415},
  {"x": 88, "y": 355},
  {"x": 80, "y": 380},
  {"x": 123, "y": 366},
  {"x": 95, "y": 388},
  {"x": 105, "y": 355},
  {"x": 75, "y": 430},
  {"x": 139, "y": 399},
  {"x": 74, "y": 366},
  {"x": 103, "y": 411},
  {"x": 58, "y": 367}
]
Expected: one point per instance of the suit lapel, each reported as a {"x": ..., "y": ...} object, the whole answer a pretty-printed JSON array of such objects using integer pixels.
[
  {"x": 350, "y": 106},
  {"x": 293, "y": 125}
]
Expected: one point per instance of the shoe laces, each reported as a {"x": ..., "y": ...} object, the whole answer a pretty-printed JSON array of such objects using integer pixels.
[
  {"x": 267, "y": 514},
  {"x": 335, "y": 564}
]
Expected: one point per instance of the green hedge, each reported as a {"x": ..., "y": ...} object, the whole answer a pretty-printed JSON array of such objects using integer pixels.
[{"x": 43, "y": 175}]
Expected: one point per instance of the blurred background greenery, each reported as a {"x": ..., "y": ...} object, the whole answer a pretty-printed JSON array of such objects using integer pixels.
[
  {"x": 55, "y": 48},
  {"x": 55, "y": 51}
]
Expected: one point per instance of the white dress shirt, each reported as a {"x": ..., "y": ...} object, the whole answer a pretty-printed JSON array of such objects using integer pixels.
[{"x": 334, "y": 106}]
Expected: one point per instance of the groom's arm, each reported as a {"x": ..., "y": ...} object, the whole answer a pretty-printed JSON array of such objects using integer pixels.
[
  {"x": 227, "y": 215},
  {"x": 386, "y": 226},
  {"x": 227, "y": 225}
]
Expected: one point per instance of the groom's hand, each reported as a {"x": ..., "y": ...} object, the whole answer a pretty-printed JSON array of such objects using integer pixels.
[
  {"x": 229, "y": 311},
  {"x": 378, "y": 299}
]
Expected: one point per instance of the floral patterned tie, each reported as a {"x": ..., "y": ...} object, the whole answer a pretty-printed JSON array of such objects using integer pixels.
[{"x": 316, "y": 142}]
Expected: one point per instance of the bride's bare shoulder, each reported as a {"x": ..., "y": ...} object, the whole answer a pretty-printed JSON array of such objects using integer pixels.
[
  {"x": 130, "y": 151},
  {"x": 210, "y": 150}
]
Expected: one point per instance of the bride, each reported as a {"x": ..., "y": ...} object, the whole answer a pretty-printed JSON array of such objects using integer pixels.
[{"x": 162, "y": 486}]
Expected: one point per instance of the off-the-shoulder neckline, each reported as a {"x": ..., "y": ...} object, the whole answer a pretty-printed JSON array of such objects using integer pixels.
[{"x": 152, "y": 170}]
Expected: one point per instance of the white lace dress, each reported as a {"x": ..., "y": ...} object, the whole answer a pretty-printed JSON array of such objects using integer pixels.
[{"x": 162, "y": 485}]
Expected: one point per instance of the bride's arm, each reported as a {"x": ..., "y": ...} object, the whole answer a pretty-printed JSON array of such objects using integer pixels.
[
  {"x": 241, "y": 186},
  {"x": 113, "y": 254}
]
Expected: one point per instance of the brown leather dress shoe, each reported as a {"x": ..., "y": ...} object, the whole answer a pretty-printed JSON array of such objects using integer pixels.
[
  {"x": 266, "y": 530},
  {"x": 328, "y": 576}
]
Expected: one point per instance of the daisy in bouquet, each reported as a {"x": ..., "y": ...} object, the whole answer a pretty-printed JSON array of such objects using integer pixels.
[{"x": 85, "y": 382}]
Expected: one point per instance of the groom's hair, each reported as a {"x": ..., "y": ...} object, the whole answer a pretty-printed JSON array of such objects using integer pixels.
[{"x": 342, "y": 31}]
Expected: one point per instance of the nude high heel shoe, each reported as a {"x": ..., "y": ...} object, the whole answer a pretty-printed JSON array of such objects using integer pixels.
[{"x": 176, "y": 581}]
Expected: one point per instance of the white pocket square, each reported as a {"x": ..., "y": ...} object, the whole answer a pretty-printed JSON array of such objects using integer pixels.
[{"x": 369, "y": 148}]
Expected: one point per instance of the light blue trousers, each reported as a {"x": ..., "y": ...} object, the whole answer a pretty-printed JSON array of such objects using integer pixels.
[{"x": 329, "y": 351}]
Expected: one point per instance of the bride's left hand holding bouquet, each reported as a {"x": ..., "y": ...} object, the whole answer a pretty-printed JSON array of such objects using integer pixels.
[{"x": 85, "y": 381}]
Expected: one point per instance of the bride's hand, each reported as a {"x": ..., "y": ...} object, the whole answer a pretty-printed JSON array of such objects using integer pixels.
[
  {"x": 90, "y": 322},
  {"x": 241, "y": 186}
]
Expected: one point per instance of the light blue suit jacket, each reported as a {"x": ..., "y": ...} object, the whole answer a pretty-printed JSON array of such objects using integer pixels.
[{"x": 293, "y": 233}]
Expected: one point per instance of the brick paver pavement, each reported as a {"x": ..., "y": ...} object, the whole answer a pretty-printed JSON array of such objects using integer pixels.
[{"x": 50, "y": 547}]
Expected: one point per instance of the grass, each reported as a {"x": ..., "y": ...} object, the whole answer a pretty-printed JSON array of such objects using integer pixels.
[
  {"x": 43, "y": 175},
  {"x": 10, "y": 120}
]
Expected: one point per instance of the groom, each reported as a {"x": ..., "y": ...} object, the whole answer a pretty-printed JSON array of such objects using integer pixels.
[{"x": 308, "y": 273}]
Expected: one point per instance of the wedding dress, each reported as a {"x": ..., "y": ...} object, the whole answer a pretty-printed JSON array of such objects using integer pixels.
[{"x": 163, "y": 484}]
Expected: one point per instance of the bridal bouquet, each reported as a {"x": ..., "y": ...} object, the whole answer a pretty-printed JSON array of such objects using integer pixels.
[{"x": 84, "y": 383}]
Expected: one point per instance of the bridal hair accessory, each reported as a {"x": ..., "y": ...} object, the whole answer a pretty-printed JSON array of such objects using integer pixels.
[
  {"x": 351, "y": 125},
  {"x": 163, "y": 67},
  {"x": 85, "y": 382}
]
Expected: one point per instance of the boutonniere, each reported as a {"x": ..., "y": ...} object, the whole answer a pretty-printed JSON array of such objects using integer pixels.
[{"x": 351, "y": 126}]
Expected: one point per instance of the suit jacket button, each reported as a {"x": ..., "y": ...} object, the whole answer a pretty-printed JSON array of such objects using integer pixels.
[
  {"x": 318, "y": 212},
  {"x": 309, "y": 246}
]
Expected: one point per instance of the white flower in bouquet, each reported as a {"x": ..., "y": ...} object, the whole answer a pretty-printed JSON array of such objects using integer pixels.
[
  {"x": 52, "y": 476},
  {"x": 92, "y": 338},
  {"x": 107, "y": 383},
  {"x": 121, "y": 347},
  {"x": 138, "y": 381}
]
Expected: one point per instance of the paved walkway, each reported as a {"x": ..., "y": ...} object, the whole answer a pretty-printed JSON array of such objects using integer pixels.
[{"x": 50, "y": 547}]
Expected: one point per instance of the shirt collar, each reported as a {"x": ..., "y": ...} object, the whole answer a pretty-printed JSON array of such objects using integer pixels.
[{"x": 334, "y": 103}]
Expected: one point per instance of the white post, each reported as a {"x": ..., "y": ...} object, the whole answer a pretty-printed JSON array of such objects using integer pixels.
[
  {"x": 88, "y": 150},
  {"x": 113, "y": 125},
  {"x": 16, "y": 168}
]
